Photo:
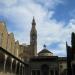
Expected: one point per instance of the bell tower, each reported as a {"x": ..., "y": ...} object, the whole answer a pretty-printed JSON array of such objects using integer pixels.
[{"x": 33, "y": 38}]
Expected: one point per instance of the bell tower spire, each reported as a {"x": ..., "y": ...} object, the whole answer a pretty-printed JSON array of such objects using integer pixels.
[
  {"x": 33, "y": 21},
  {"x": 33, "y": 38}
]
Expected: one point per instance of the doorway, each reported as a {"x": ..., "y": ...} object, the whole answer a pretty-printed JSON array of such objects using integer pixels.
[{"x": 44, "y": 69}]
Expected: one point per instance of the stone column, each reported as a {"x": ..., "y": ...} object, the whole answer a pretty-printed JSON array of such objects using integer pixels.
[
  {"x": 5, "y": 63},
  {"x": 22, "y": 70},
  {"x": 11, "y": 64},
  {"x": 16, "y": 67},
  {"x": 54, "y": 72},
  {"x": 19, "y": 68}
]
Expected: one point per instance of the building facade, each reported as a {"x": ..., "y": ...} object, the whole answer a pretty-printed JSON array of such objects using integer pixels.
[
  {"x": 21, "y": 59},
  {"x": 48, "y": 64}
]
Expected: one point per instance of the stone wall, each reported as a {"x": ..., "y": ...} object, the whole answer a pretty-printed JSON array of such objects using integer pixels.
[
  {"x": 3, "y": 35},
  {"x": 7, "y": 41}
]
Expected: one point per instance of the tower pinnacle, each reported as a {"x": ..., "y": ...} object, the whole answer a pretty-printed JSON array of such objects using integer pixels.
[
  {"x": 33, "y": 37},
  {"x": 33, "y": 21}
]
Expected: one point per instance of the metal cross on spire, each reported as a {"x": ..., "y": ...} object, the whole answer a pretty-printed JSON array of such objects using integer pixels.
[{"x": 44, "y": 46}]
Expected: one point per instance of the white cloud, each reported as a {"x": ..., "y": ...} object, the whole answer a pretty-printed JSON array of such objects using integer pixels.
[
  {"x": 8, "y": 3},
  {"x": 49, "y": 30},
  {"x": 49, "y": 3}
]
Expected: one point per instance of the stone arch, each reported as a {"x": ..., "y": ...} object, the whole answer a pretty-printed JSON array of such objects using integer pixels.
[
  {"x": 2, "y": 58},
  {"x": 8, "y": 64},
  {"x": 14, "y": 66},
  {"x": 45, "y": 69},
  {"x": 17, "y": 69}
]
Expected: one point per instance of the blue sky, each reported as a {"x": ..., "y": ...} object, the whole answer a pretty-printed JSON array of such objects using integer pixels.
[{"x": 55, "y": 20}]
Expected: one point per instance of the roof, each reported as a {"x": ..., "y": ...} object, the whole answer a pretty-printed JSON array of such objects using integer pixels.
[
  {"x": 44, "y": 51},
  {"x": 46, "y": 58}
]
